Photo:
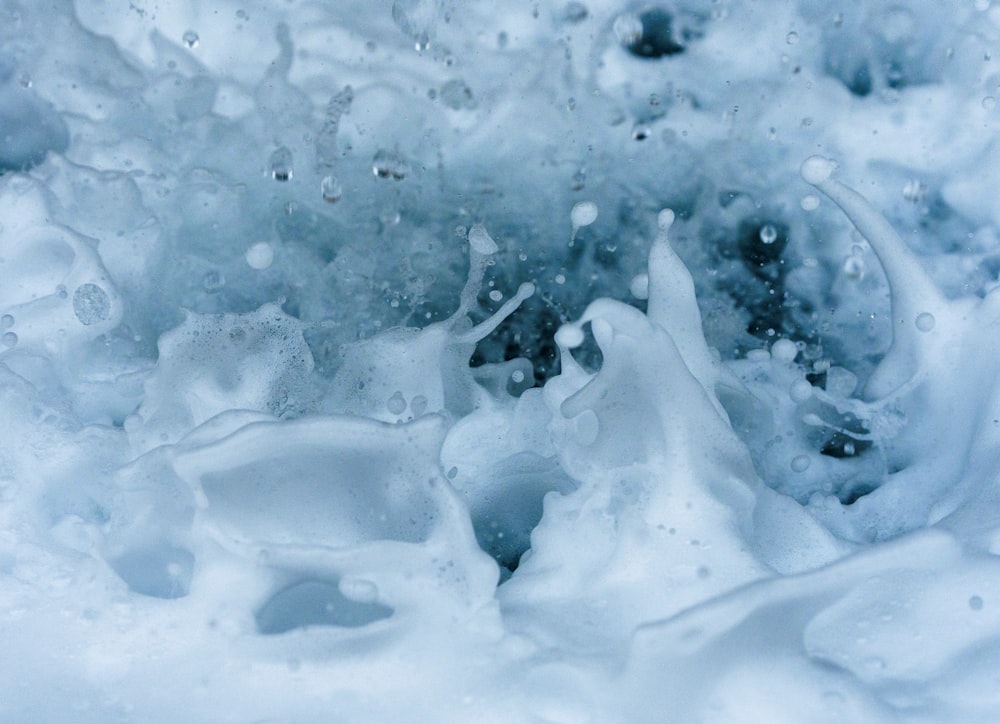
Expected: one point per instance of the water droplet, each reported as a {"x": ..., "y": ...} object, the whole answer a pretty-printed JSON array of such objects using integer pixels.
[
  {"x": 496, "y": 295},
  {"x": 583, "y": 214},
  {"x": 800, "y": 463},
  {"x": 569, "y": 336},
  {"x": 809, "y": 202},
  {"x": 191, "y": 39},
  {"x": 517, "y": 376},
  {"x": 768, "y": 234},
  {"x": 260, "y": 255},
  {"x": 91, "y": 304},
  {"x": 396, "y": 404},
  {"x": 792, "y": 38},
  {"x": 281, "y": 164},
  {"x": 418, "y": 405},
  {"x": 7, "y": 321},
  {"x": 639, "y": 286},
  {"x": 331, "y": 189},
  {"x": 481, "y": 241},
  {"x": 9, "y": 339},
  {"x": 925, "y": 321},
  {"x": 976, "y": 603},
  {"x": 989, "y": 103},
  {"x": 560, "y": 278},
  {"x": 389, "y": 164},
  {"x": 784, "y": 350},
  {"x": 800, "y": 391},
  {"x": 816, "y": 169}
]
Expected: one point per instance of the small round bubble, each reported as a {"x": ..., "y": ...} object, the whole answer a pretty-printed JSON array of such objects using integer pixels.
[
  {"x": 9, "y": 339},
  {"x": 517, "y": 376},
  {"x": 768, "y": 234},
  {"x": 7, "y": 321},
  {"x": 792, "y": 38},
  {"x": 496, "y": 295},
  {"x": 976, "y": 603},
  {"x": 91, "y": 304},
  {"x": 925, "y": 321},
  {"x": 191, "y": 39}
]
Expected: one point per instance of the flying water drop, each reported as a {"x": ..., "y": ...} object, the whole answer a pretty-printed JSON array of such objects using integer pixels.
[{"x": 191, "y": 39}]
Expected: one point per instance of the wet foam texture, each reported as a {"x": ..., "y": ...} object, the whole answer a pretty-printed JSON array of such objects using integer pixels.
[{"x": 428, "y": 361}]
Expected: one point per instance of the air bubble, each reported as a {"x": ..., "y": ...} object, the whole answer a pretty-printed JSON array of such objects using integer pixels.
[
  {"x": 91, "y": 304},
  {"x": 418, "y": 405},
  {"x": 976, "y": 603},
  {"x": 7, "y": 321},
  {"x": 9, "y": 339},
  {"x": 331, "y": 189},
  {"x": 768, "y": 234},
  {"x": 191, "y": 39},
  {"x": 281, "y": 164},
  {"x": 854, "y": 267},
  {"x": 260, "y": 255},
  {"x": 989, "y": 103},
  {"x": 396, "y": 404},
  {"x": 496, "y": 295},
  {"x": 389, "y": 164},
  {"x": 517, "y": 376},
  {"x": 792, "y": 38},
  {"x": 925, "y": 321}
]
